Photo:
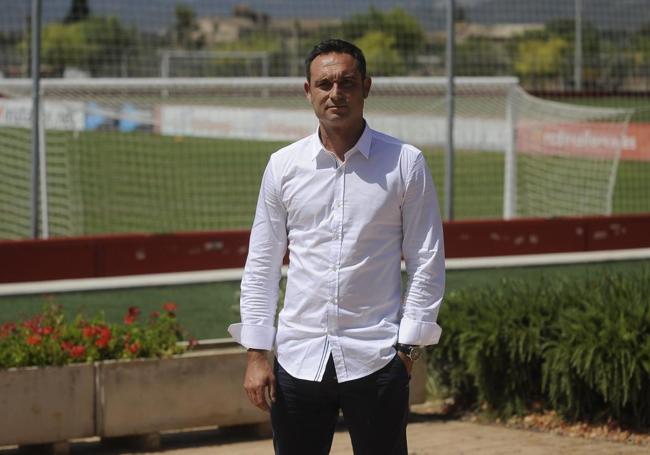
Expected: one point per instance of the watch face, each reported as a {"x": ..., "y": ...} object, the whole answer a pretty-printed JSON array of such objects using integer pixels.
[{"x": 415, "y": 354}]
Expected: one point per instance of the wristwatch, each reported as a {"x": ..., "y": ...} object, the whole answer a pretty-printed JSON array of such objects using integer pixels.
[{"x": 412, "y": 351}]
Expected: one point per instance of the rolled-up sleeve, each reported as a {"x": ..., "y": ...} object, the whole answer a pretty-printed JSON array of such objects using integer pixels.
[
  {"x": 423, "y": 251},
  {"x": 260, "y": 281}
]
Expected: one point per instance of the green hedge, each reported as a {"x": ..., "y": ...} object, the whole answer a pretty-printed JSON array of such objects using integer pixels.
[{"x": 579, "y": 347}]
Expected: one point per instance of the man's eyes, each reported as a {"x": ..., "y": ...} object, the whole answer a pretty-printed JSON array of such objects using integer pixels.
[{"x": 326, "y": 85}]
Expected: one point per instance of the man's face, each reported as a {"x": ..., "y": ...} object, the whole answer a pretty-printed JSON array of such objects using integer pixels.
[{"x": 336, "y": 90}]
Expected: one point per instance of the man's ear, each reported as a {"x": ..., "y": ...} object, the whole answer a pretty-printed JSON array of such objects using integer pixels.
[
  {"x": 306, "y": 87},
  {"x": 367, "y": 82}
]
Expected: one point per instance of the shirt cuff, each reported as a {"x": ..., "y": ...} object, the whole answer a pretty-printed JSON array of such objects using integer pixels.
[
  {"x": 253, "y": 336},
  {"x": 418, "y": 333}
]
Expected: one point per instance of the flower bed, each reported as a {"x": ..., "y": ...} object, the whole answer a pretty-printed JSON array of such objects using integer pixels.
[
  {"x": 63, "y": 380},
  {"x": 47, "y": 339}
]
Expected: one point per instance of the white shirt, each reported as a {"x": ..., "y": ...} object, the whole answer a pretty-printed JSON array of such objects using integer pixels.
[{"x": 346, "y": 225}]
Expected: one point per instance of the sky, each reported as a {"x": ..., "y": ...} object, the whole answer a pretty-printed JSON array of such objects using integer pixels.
[{"x": 155, "y": 15}]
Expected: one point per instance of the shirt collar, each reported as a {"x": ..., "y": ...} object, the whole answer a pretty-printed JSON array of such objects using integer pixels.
[{"x": 362, "y": 145}]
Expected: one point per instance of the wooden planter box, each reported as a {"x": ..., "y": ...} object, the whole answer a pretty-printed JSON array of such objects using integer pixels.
[{"x": 46, "y": 404}]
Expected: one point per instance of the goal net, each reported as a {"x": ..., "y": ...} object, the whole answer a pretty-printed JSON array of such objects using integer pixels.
[
  {"x": 162, "y": 155},
  {"x": 565, "y": 159}
]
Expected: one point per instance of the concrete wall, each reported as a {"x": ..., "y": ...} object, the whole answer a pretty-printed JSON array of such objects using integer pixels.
[
  {"x": 194, "y": 390},
  {"x": 40, "y": 405}
]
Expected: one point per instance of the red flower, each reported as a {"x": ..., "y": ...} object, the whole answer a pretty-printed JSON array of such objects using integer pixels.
[
  {"x": 134, "y": 311},
  {"x": 77, "y": 351},
  {"x": 88, "y": 331},
  {"x": 47, "y": 330},
  {"x": 101, "y": 343},
  {"x": 134, "y": 348},
  {"x": 34, "y": 339},
  {"x": 169, "y": 307},
  {"x": 131, "y": 315},
  {"x": 104, "y": 337},
  {"x": 33, "y": 324},
  {"x": 155, "y": 315},
  {"x": 7, "y": 329},
  {"x": 66, "y": 345}
]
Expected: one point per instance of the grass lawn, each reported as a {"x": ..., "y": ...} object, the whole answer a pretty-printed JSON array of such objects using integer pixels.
[
  {"x": 102, "y": 182},
  {"x": 206, "y": 310}
]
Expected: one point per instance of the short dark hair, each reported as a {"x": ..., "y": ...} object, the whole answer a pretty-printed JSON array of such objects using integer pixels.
[{"x": 340, "y": 47}]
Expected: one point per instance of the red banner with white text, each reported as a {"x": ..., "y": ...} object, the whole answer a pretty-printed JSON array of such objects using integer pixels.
[{"x": 600, "y": 140}]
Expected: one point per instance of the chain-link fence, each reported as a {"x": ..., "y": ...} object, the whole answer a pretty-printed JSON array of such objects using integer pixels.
[{"x": 135, "y": 142}]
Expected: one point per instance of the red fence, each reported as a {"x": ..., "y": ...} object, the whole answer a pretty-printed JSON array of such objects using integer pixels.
[{"x": 134, "y": 254}]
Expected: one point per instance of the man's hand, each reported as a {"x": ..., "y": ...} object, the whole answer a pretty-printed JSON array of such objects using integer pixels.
[
  {"x": 259, "y": 379},
  {"x": 408, "y": 363}
]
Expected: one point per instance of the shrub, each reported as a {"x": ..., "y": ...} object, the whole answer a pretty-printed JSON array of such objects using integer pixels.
[
  {"x": 47, "y": 339},
  {"x": 494, "y": 337},
  {"x": 582, "y": 348},
  {"x": 597, "y": 363}
]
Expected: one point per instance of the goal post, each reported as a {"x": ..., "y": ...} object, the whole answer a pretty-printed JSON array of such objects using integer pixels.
[{"x": 565, "y": 157}]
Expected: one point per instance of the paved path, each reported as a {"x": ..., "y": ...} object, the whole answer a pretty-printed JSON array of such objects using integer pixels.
[
  {"x": 426, "y": 437},
  {"x": 447, "y": 438},
  {"x": 430, "y": 438}
]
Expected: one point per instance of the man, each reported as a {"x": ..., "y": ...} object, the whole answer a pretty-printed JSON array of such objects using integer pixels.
[{"x": 348, "y": 202}]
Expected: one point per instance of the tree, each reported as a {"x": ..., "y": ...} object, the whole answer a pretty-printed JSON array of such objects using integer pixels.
[
  {"x": 555, "y": 44},
  {"x": 405, "y": 30},
  {"x": 90, "y": 44},
  {"x": 186, "y": 30},
  {"x": 540, "y": 57},
  {"x": 78, "y": 11},
  {"x": 382, "y": 57},
  {"x": 480, "y": 56}
]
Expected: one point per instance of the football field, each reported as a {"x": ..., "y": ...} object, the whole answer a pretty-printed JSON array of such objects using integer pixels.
[{"x": 107, "y": 182}]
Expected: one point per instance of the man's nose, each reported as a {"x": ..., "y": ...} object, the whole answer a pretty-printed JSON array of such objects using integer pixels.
[{"x": 336, "y": 91}]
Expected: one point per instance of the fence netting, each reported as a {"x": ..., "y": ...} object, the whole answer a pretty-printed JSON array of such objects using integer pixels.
[{"x": 159, "y": 116}]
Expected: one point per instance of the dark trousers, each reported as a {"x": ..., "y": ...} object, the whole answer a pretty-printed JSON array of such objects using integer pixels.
[{"x": 375, "y": 410}]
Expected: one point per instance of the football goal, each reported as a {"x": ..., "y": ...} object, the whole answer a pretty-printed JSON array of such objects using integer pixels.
[{"x": 175, "y": 154}]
